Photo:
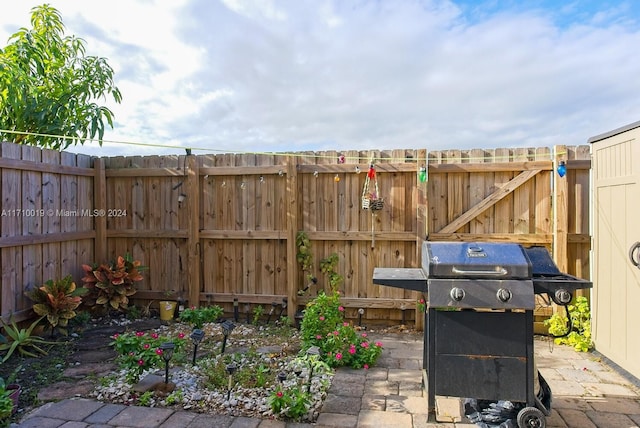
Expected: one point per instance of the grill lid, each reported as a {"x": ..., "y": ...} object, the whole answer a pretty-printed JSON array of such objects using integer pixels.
[{"x": 475, "y": 260}]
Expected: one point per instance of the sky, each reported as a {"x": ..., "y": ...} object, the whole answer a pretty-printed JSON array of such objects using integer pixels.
[{"x": 254, "y": 76}]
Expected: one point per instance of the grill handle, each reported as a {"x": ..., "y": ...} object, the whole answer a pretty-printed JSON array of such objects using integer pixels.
[{"x": 500, "y": 271}]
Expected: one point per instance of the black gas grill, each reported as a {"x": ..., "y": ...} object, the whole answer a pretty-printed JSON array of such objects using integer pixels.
[{"x": 479, "y": 320}]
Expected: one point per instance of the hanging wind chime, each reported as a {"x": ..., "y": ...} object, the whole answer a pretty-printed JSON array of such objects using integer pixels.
[{"x": 371, "y": 199}]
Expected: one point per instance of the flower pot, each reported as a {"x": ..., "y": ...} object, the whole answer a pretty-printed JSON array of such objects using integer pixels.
[
  {"x": 14, "y": 394},
  {"x": 167, "y": 309}
]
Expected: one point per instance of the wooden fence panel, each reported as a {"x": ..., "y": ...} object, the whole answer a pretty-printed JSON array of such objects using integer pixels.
[
  {"x": 42, "y": 224},
  {"x": 242, "y": 236}
]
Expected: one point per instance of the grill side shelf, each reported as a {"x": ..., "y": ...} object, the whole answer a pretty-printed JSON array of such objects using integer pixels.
[{"x": 406, "y": 278}]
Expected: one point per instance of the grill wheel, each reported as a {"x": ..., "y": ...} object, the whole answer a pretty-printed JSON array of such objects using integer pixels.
[{"x": 531, "y": 417}]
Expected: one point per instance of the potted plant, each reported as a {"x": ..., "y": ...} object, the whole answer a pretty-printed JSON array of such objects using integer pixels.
[
  {"x": 111, "y": 284},
  {"x": 9, "y": 395},
  {"x": 6, "y": 405},
  {"x": 57, "y": 302}
]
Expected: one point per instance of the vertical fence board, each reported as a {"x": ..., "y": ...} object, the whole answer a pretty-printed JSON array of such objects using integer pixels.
[
  {"x": 12, "y": 269},
  {"x": 51, "y": 260}
]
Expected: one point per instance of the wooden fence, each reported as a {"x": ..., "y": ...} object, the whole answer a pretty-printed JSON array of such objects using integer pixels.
[{"x": 214, "y": 228}]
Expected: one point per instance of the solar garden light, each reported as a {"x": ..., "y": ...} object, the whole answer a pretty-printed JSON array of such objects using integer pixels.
[
  {"x": 235, "y": 309},
  {"x": 404, "y": 316},
  {"x": 231, "y": 369},
  {"x": 196, "y": 336},
  {"x": 283, "y": 306},
  {"x": 360, "y": 313},
  {"x": 282, "y": 376},
  {"x": 271, "y": 311},
  {"x": 297, "y": 370},
  {"x": 312, "y": 352},
  {"x": 167, "y": 353},
  {"x": 247, "y": 311},
  {"x": 227, "y": 328}
]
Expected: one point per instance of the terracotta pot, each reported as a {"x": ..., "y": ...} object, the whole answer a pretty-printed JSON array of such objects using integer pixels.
[{"x": 14, "y": 394}]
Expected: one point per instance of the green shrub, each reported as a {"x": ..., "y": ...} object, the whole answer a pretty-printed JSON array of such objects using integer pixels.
[
  {"x": 580, "y": 335},
  {"x": 197, "y": 317}
]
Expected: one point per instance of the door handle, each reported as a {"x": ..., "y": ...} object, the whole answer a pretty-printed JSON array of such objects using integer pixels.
[{"x": 634, "y": 254}]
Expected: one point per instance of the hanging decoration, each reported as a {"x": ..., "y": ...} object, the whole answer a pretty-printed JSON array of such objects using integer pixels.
[
  {"x": 562, "y": 169},
  {"x": 370, "y": 194},
  {"x": 336, "y": 178},
  {"x": 422, "y": 174},
  {"x": 371, "y": 199}
]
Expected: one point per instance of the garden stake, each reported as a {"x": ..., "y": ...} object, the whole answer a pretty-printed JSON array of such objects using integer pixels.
[{"x": 360, "y": 313}]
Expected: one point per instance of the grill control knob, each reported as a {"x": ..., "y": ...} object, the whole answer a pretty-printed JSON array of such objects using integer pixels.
[
  {"x": 563, "y": 297},
  {"x": 504, "y": 295},
  {"x": 457, "y": 294}
]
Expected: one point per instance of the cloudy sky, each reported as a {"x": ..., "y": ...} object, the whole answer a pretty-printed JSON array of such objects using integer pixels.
[{"x": 291, "y": 75}]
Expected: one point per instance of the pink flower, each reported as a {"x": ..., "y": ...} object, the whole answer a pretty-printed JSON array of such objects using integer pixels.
[
  {"x": 341, "y": 308},
  {"x": 318, "y": 337},
  {"x": 154, "y": 335},
  {"x": 335, "y": 332},
  {"x": 352, "y": 351},
  {"x": 159, "y": 351},
  {"x": 193, "y": 307},
  {"x": 146, "y": 346},
  {"x": 141, "y": 362},
  {"x": 131, "y": 354},
  {"x": 115, "y": 336},
  {"x": 181, "y": 336},
  {"x": 422, "y": 301},
  {"x": 366, "y": 367},
  {"x": 279, "y": 394},
  {"x": 338, "y": 356},
  {"x": 365, "y": 344},
  {"x": 345, "y": 324},
  {"x": 139, "y": 333},
  {"x": 321, "y": 318},
  {"x": 364, "y": 334},
  {"x": 379, "y": 344}
]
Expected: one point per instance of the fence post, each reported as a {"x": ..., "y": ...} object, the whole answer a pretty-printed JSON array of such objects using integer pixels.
[
  {"x": 422, "y": 224},
  {"x": 193, "y": 230},
  {"x": 100, "y": 203},
  {"x": 560, "y": 210},
  {"x": 292, "y": 226}
]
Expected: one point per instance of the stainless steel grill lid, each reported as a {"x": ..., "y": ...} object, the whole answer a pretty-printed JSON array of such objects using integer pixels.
[{"x": 475, "y": 260}]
